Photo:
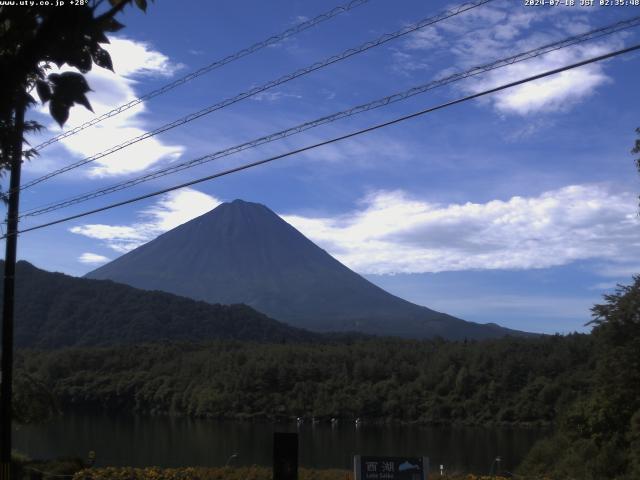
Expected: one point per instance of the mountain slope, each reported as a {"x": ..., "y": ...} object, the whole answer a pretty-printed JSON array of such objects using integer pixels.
[
  {"x": 55, "y": 310},
  {"x": 244, "y": 252}
]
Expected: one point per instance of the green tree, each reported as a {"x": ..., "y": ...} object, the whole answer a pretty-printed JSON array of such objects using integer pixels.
[
  {"x": 617, "y": 398},
  {"x": 599, "y": 434},
  {"x": 33, "y": 402},
  {"x": 32, "y": 39}
]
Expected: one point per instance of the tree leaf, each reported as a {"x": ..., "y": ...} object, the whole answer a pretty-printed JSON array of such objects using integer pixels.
[
  {"x": 54, "y": 78},
  {"x": 71, "y": 81},
  {"x": 100, "y": 37},
  {"x": 80, "y": 59},
  {"x": 29, "y": 100},
  {"x": 59, "y": 111},
  {"x": 84, "y": 101},
  {"x": 69, "y": 88},
  {"x": 112, "y": 25},
  {"x": 32, "y": 126},
  {"x": 102, "y": 58},
  {"x": 142, "y": 5}
]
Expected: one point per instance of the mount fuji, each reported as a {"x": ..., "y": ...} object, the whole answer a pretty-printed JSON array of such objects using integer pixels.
[{"x": 242, "y": 252}]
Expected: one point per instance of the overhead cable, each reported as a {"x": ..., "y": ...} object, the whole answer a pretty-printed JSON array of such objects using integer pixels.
[
  {"x": 504, "y": 62},
  {"x": 300, "y": 27},
  {"x": 256, "y": 90},
  {"x": 332, "y": 140}
]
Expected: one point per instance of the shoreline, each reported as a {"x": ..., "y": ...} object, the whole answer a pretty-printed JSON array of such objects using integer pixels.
[{"x": 291, "y": 420}]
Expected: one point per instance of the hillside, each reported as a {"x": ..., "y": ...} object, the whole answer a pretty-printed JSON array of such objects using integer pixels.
[
  {"x": 242, "y": 252},
  {"x": 55, "y": 310}
]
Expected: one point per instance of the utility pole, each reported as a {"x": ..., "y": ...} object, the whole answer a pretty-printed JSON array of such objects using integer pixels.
[{"x": 6, "y": 388}]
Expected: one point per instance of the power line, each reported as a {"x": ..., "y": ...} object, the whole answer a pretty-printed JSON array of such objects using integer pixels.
[
  {"x": 286, "y": 78},
  {"x": 570, "y": 41},
  {"x": 254, "y": 91},
  {"x": 597, "y": 33},
  {"x": 335, "y": 139},
  {"x": 206, "y": 69}
]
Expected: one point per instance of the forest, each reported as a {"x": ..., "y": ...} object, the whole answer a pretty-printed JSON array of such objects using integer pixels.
[
  {"x": 509, "y": 381},
  {"x": 586, "y": 386}
]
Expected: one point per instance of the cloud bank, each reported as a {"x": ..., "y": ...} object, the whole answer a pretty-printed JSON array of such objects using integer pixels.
[
  {"x": 132, "y": 60},
  {"x": 391, "y": 232},
  {"x": 172, "y": 210},
  {"x": 495, "y": 31}
]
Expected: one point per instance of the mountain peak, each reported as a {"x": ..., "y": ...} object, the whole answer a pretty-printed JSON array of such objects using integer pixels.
[
  {"x": 245, "y": 224},
  {"x": 239, "y": 203},
  {"x": 239, "y": 206}
]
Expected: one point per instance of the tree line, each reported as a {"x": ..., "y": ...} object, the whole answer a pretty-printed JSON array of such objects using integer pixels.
[{"x": 507, "y": 381}]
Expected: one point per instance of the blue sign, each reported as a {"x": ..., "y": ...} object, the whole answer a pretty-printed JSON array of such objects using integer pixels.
[{"x": 390, "y": 468}]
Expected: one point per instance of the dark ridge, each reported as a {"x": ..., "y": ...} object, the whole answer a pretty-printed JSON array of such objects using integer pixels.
[{"x": 54, "y": 310}]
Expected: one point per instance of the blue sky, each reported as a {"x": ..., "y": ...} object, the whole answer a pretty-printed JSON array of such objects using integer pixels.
[{"x": 519, "y": 208}]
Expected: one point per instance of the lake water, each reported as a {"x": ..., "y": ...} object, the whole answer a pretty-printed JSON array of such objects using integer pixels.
[{"x": 171, "y": 442}]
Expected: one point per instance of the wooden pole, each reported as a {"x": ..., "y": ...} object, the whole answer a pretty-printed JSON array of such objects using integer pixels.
[{"x": 6, "y": 390}]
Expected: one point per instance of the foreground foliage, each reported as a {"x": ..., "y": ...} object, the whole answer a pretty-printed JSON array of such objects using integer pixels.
[
  {"x": 202, "y": 473},
  {"x": 76, "y": 469},
  {"x": 35, "y": 36},
  {"x": 508, "y": 381},
  {"x": 599, "y": 435},
  {"x": 228, "y": 473}
]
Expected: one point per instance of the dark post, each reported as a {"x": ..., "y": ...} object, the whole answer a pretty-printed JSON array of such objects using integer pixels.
[
  {"x": 285, "y": 456},
  {"x": 6, "y": 390}
]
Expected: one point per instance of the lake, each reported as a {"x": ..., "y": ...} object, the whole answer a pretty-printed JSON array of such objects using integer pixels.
[{"x": 172, "y": 442}]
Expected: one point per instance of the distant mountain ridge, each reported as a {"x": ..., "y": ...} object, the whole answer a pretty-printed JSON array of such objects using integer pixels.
[
  {"x": 242, "y": 252},
  {"x": 53, "y": 310}
]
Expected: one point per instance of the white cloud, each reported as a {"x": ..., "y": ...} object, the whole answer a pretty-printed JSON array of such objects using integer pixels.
[
  {"x": 172, "y": 210},
  {"x": 176, "y": 208},
  {"x": 406, "y": 63},
  {"x": 533, "y": 126},
  {"x": 132, "y": 60},
  {"x": 92, "y": 258},
  {"x": 117, "y": 237},
  {"x": 604, "y": 286},
  {"x": 425, "y": 38},
  {"x": 273, "y": 96},
  {"x": 138, "y": 59},
  {"x": 358, "y": 151},
  {"x": 556, "y": 93},
  {"x": 392, "y": 233},
  {"x": 622, "y": 271},
  {"x": 495, "y": 31}
]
